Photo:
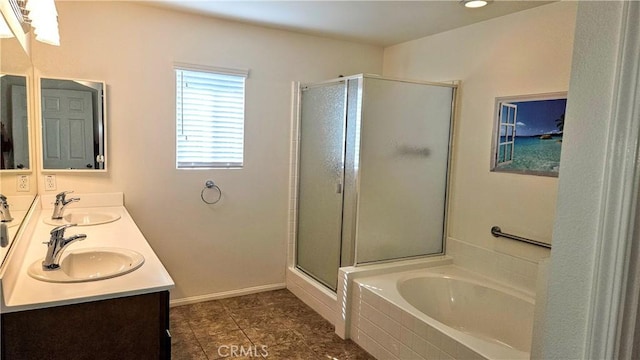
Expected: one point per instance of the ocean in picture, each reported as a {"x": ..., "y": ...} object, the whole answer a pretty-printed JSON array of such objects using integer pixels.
[
  {"x": 535, "y": 154},
  {"x": 533, "y": 130}
]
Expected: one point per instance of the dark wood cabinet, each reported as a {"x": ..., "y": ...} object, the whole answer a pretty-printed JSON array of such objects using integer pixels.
[{"x": 134, "y": 327}]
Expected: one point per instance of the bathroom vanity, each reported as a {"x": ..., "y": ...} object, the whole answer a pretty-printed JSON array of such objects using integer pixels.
[
  {"x": 122, "y": 315},
  {"x": 96, "y": 304},
  {"x": 133, "y": 327}
]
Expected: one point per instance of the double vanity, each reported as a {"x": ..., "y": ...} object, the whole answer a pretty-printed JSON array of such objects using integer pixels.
[
  {"x": 94, "y": 290},
  {"x": 104, "y": 295}
]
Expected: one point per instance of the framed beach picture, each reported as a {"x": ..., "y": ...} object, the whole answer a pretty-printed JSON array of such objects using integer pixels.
[{"x": 527, "y": 136}]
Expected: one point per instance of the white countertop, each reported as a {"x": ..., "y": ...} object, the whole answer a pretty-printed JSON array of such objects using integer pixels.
[
  {"x": 18, "y": 205},
  {"x": 29, "y": 293}
]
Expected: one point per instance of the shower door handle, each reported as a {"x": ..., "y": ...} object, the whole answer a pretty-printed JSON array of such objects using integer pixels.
[{"x": 339, "y": 188}]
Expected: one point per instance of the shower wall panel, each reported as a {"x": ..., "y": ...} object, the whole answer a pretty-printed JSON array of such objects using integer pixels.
[{"x": 404, "y": 154}]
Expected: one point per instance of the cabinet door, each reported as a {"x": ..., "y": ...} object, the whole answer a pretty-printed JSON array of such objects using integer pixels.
[{"x": 132, "y": 327}]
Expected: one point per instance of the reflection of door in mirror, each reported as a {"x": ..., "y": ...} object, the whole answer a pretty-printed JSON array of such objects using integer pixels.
[
  {"x": 67, "y": 117},
  {"x": 73, "y": 123},
  {"x": 20, "y": 129},
  {"x": 14, "y": 123},
  {"x": 16, "y": 72}
]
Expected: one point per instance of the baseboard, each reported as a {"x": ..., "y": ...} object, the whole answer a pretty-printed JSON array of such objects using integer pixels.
[{"x": 226, "y": 294}]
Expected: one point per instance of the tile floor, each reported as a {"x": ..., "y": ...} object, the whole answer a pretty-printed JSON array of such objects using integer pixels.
[{"x": 274, "y": 324}]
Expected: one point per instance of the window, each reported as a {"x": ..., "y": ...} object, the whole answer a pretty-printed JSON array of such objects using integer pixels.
[
  {"x": 506, "y": 140},
  {"x": 209, "y": 118}
]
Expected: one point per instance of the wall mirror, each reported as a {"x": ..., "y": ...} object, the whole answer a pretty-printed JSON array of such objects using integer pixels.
[
  {"x": 14, "y": 122},
  {"x": 16, "y": 116},
  {"x": 73, "y": 124},
  {"x": 15, "y": 75}
]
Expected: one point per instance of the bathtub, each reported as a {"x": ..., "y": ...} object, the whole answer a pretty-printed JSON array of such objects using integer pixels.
[{"x": 444, "y": 312}]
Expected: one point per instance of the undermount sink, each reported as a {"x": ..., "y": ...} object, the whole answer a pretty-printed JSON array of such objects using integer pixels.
[
  {"x": 89, "y": 265},
  {"x": 84, "y": 218}
]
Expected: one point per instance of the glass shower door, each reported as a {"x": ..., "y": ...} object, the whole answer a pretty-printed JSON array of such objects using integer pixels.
[{"x": 321, "y": 179}]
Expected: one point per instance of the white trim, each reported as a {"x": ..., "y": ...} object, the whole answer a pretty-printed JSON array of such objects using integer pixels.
[
  {"x": 576, "y": 322},
  {"x": 294, "y": 150},
  {"x": 226, "y": 294},
  {"x": 451, "y": 84},
  {"x": 532, "y": 97},
  {"x": 214, "y": 69},
  {"x": 620, "y": 197}
]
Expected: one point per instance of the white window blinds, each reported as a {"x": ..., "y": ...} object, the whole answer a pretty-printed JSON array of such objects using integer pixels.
[{"x": 209, "y": 118}]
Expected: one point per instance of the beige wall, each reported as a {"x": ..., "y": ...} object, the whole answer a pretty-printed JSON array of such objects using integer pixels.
[
  {"x": 240, "y": 242},
  {"x": 524, "y": 53}
]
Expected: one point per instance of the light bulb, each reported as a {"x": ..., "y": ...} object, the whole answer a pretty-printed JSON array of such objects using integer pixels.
[
  {"x": 5, "y": 32},
  {"x": 475, "y": 3},
  {"x": 44, "y": 19}
]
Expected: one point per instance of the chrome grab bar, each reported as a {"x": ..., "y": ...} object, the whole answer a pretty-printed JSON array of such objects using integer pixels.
[{"x": 497, "y": 232}]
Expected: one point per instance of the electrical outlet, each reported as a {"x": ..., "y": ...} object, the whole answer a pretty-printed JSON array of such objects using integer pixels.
[
  {"x": 23, "y": 183},
  {"x": 49, "y": 182}
]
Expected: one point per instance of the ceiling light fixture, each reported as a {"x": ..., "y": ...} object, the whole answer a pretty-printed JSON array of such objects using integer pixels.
[
  {"x": 41, "y": 16},
  {"x": 44, "y": 19},
  {"x": 474, "y": 4},
  {"x": 5, "y": 32}
]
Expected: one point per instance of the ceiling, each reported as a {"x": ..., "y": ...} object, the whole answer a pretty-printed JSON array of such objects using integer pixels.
[{"x": 381, "y": 23}]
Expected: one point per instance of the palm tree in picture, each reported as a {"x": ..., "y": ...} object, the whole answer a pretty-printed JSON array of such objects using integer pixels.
[{"x": 560, "y": 123}]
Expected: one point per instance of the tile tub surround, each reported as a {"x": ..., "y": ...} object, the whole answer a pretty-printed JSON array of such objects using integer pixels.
[
  {"x": 390, "y": 333},
  {"x": 515, "y": 271},
  {"x": 277, "y": 319},
  {"x": 424, "y": 321},
  {"x": 348, "y": 275}
]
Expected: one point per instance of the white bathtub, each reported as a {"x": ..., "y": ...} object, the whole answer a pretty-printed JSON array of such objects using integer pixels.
[{"x": 441, "y": 313}]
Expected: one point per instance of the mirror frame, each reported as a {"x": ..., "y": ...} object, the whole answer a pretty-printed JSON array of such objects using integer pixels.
[
  {"x": 30, "y": 127},
  {"x": 22, "y": 201},
  {"x": 40, "y": 130}
]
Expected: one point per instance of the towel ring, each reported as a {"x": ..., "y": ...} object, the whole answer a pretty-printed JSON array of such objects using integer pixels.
[{"x": 209, "y": 184}]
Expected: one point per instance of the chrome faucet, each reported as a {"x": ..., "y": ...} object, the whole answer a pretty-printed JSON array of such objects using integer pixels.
[
  {"x": 56, "y": 245},
  {"x": 4, "y": 235},
  {"x": 5, "y": 214},
  {"x": 61, "y": 202}
]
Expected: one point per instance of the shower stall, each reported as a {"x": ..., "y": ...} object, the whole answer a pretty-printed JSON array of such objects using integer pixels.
[{"x": 373, "y": 163}]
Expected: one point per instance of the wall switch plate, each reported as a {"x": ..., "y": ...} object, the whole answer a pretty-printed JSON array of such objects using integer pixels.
[
  {"x": 49, "y": 182},
  {"x": 23, "y": 183}
]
